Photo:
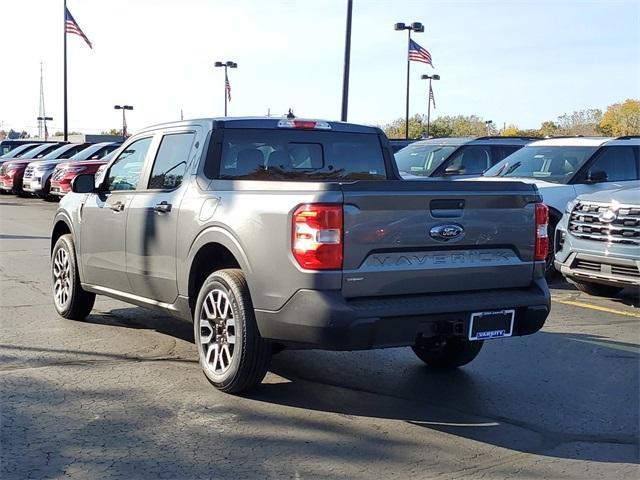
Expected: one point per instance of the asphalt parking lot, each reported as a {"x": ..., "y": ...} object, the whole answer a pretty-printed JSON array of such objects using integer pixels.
[{"x": 122, "y": 396}]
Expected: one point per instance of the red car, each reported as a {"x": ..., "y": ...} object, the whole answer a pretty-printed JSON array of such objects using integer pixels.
[
  {"x": 11, "y": 171},
  {"x": 66, "y": 172}
]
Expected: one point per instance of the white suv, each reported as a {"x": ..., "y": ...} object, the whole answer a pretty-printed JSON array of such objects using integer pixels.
[{"x": 563, "y": 168}]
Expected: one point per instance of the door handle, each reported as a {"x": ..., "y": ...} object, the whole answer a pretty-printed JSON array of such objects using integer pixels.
[
  {"x": 117, "y": 207},
  {"x": 162, "y": 207}
]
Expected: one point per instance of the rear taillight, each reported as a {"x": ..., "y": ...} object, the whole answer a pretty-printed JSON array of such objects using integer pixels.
[
  {"x": 317, "y": 236},
  {"x": 542, "y": 235}
]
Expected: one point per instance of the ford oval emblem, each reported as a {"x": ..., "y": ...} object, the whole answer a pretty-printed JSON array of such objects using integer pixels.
[
  {"x": 608, "y": 216},
  {"x": 447, "y": 232}
]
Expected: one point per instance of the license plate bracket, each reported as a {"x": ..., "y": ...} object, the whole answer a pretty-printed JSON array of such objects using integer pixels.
[{"x": 489, "y": 325}]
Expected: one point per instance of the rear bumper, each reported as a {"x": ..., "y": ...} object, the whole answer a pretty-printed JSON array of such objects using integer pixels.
[
  {"x": 326, "y": 320},
  {"x": 602, "y": 269}
]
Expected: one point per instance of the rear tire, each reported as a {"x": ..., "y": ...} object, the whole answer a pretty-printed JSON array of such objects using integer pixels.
[
  {"x": 233, "y": 355},
  {"x": 70, "y": 300},
  {"x": 448, "y": 353},
  {"x": 549, "y": 268},
  {"x": 598, "y": 289}
]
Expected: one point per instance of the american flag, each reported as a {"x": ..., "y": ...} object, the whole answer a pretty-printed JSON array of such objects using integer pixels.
[
  {"x": 431, "y": 97},
  {"x": 419, "y": 54},
  {"x": 227, "y": 86},
  {"x": 71, "y": 26}
]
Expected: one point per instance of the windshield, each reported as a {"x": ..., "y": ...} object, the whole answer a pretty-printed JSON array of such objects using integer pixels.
[
  {"x": 39, "y": 151},
  {"x": 422, "y": 159},
  {"x": 94, "y": 152},
  {"x": 18, "y": 150},
  {"x": 555, "y": 164}
]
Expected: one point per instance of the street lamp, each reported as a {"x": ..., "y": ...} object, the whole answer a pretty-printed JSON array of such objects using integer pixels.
[
  {"x": 429, "y": 77},
  {"x": 44, "y": 123},
  {"x": 488, "y": 124},
  {"x": 418, "y": 28},
  {"x": 227, "y": 86},
  {"x": 124, "y": 120}
]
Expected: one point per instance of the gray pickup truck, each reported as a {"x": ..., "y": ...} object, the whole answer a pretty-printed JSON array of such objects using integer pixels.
[{"x": 271, "y": 233}]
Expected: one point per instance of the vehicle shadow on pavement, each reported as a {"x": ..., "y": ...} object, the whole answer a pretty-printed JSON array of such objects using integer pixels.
[
  {"x": 140, "y": 318},
  {"x": 569, "y": 396},
  {"x": 70, "y": 427},
  {"x": 562, "y": 395}
]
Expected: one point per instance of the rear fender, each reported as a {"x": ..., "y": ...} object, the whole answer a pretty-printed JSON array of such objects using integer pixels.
[{"x": 213, "y": 235}]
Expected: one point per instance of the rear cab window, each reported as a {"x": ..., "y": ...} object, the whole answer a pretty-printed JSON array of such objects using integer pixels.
[{"x": 267, "y": 154}]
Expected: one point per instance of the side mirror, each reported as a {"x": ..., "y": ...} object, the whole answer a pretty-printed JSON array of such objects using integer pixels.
[
  {"x": 83, "y": 184},
  {"x": 598, "y": 176}
]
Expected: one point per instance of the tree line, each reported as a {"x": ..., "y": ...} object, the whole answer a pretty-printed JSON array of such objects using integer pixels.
[{"x": 619, "y": 119}]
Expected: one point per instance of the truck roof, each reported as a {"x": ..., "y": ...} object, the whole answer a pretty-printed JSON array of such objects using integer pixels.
[
  {"x": 264, "y": 122},
  {"x": 571, "y": 142},
  {"x": 487, "y": 140},
  {"x": 633, "y": 140}
]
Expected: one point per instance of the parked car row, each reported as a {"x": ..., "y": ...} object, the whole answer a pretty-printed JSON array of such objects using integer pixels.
[
  {"x": 46, "y": 169},
  {"x": 603, "y": 173}
]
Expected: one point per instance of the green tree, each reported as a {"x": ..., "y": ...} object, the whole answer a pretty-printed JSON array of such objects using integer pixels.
[
  {"x": 113, "y": 131},
  {"x": 511, "y": 131},
  {"x": 417, "y": 127},
  {"x": 581, "y": 122},
  {"x": 460, "y": 126},
  {"x": 622, "y": 119},
  {"x": 549, "y": 129},
  {"x": 60, "y": 134}
]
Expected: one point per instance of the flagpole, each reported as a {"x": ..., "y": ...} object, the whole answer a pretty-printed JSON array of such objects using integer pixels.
[
  {"x": 226, "y": 80},
  {"x": 429, "y": 109},
  {"x": 64, "y": 30},
  {"x": 347, "y": 60},
  {"x": 406, "y": 113}
]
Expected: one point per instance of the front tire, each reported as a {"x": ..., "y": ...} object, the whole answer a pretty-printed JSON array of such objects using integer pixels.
[
  {"x": 448, "y": 353},
  {"x": 233, "y": 355},
  {"x": 70, "y": 300},
  {"x": 598, "y": 289}
]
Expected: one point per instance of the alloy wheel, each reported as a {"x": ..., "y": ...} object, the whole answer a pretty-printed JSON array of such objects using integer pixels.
[
  {"x": 217, "y": 332},
  {"x": 61, "y": 278}
]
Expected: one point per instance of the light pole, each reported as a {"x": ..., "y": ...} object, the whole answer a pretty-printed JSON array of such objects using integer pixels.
[
  {"x": 429, "y": 77},
  {"x": 44, "y": 123},
  {"x": 347, "y": 57},
  {"x": 418, "y": 28},
  {"x": 488, "y": 124},
  {"x": 124, "y": 120},
  {"x": 227, "y": 86}
]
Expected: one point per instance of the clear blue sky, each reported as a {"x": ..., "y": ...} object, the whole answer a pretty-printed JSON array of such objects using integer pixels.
[{"x": 518, "y": 62}]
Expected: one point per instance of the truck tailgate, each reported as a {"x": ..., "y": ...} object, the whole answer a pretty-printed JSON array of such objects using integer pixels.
[{"x": 403, "y": 237}]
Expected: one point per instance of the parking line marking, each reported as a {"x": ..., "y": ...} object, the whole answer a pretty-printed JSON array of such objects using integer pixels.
[{"x": 596, "y": 307}]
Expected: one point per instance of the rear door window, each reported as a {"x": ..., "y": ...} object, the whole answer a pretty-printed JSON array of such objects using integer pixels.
[
  {"x": 262, "y": 154},
  {"x": 470, "y": 160},
  {"x": 502, "y": 151},
  {"x": 171, "y": 161}
]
